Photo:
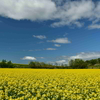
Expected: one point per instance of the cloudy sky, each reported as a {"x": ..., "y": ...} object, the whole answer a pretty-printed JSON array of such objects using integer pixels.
[{"x": 49, "y": 30}]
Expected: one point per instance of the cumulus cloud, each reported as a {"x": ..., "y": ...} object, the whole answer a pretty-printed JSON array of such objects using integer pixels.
[
  {"x": 61, "y": 62},
  {"x": 57, "y": 45},
  {"x": 27, "y": 9},
  {"x": 40, "y": 36},
  {"x": 50, "y": 49},
  {"x": 61, "y": 40},
  {"x": 83, "y": 55},
  {"x": 94, "y": 26},
  {"x": 28, "y": 58},
  {"x": 72, "y": 11},
  {"x": 86, "y": 56},
  {"x": 63, "y": 12}
]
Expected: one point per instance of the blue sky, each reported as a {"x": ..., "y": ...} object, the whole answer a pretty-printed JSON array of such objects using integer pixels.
[{"x": 49, "y": 31}]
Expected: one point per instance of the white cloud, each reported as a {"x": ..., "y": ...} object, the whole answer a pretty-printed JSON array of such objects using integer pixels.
[
  {"x": 28, "y": 58},
  {"x": 57, "y": 45},
  {"x": 27, "y": 9},
  {"x": 61, "y": 62},
  {"x": 83, "y": 55},
  {"x": 86, "y": 56},
  {"x": 72, "y": 11},
  {"x": 40, "y": 36},
  {"x": 50, "y": 49},
  {"x": 61, "y": 40},
  {"x": 94, "y": 26},
  {"x": 66, "y": 12},
  {"x": 40, "y": 57},
  {"x": 68, "y": 23}
]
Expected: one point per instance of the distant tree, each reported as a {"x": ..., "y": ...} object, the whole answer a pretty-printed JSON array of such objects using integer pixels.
[
  {"x": 66, "y": 66},
  {"x": 32, "y": 64},
  {"x": 71, "y": 63},
  {"x": 93, "y": 61},
  {"x": 10, "y": 64},
  {"x": 77, "y": 64},
  {"x": 88, "y": 62},
  {"x": 99, "y": 60},
  {"x": 3, "y": 64}
]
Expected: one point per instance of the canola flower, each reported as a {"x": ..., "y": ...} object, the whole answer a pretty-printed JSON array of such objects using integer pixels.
[{"x": 49, "y": 84}]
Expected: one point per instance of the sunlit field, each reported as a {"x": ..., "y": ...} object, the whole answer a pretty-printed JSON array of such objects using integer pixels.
[{"x": 49, "y": 84}]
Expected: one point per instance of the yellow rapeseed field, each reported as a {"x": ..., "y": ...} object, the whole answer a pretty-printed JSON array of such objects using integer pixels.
[{"x": 49, "y": 84}]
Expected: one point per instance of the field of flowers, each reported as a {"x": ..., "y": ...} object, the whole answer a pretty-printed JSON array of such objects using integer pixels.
[{"x": 49, "y": 84}]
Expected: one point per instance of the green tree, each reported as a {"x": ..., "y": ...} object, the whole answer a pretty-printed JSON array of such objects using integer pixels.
[
  {"x": 10, "y": 64},
  {"x": 99, "y": 60},
  {"x": 4, "y": 64},
  {"x": 77, "y": 64},
  {"x": 93, "y": 61}
]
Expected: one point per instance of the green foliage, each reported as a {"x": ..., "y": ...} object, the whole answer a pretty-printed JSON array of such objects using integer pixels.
[
  {"x": 21, "y": 66},
  {"x": 73, "y": 64},
  {"x": 40, "y": 65},
  {"x": 92, "y": 62},
  {"x": 43, "y": 65},
  {"x": 5, "y": 64},
  {"x": 10, "y": 64},
  {"x": 99, "y": 60},
  {"x": 78, "y": 64}
]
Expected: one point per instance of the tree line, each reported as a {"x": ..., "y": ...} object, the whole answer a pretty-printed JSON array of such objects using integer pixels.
[
  {"x": 73, "y": 64},
  {"x": 81, "y": 64}
]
